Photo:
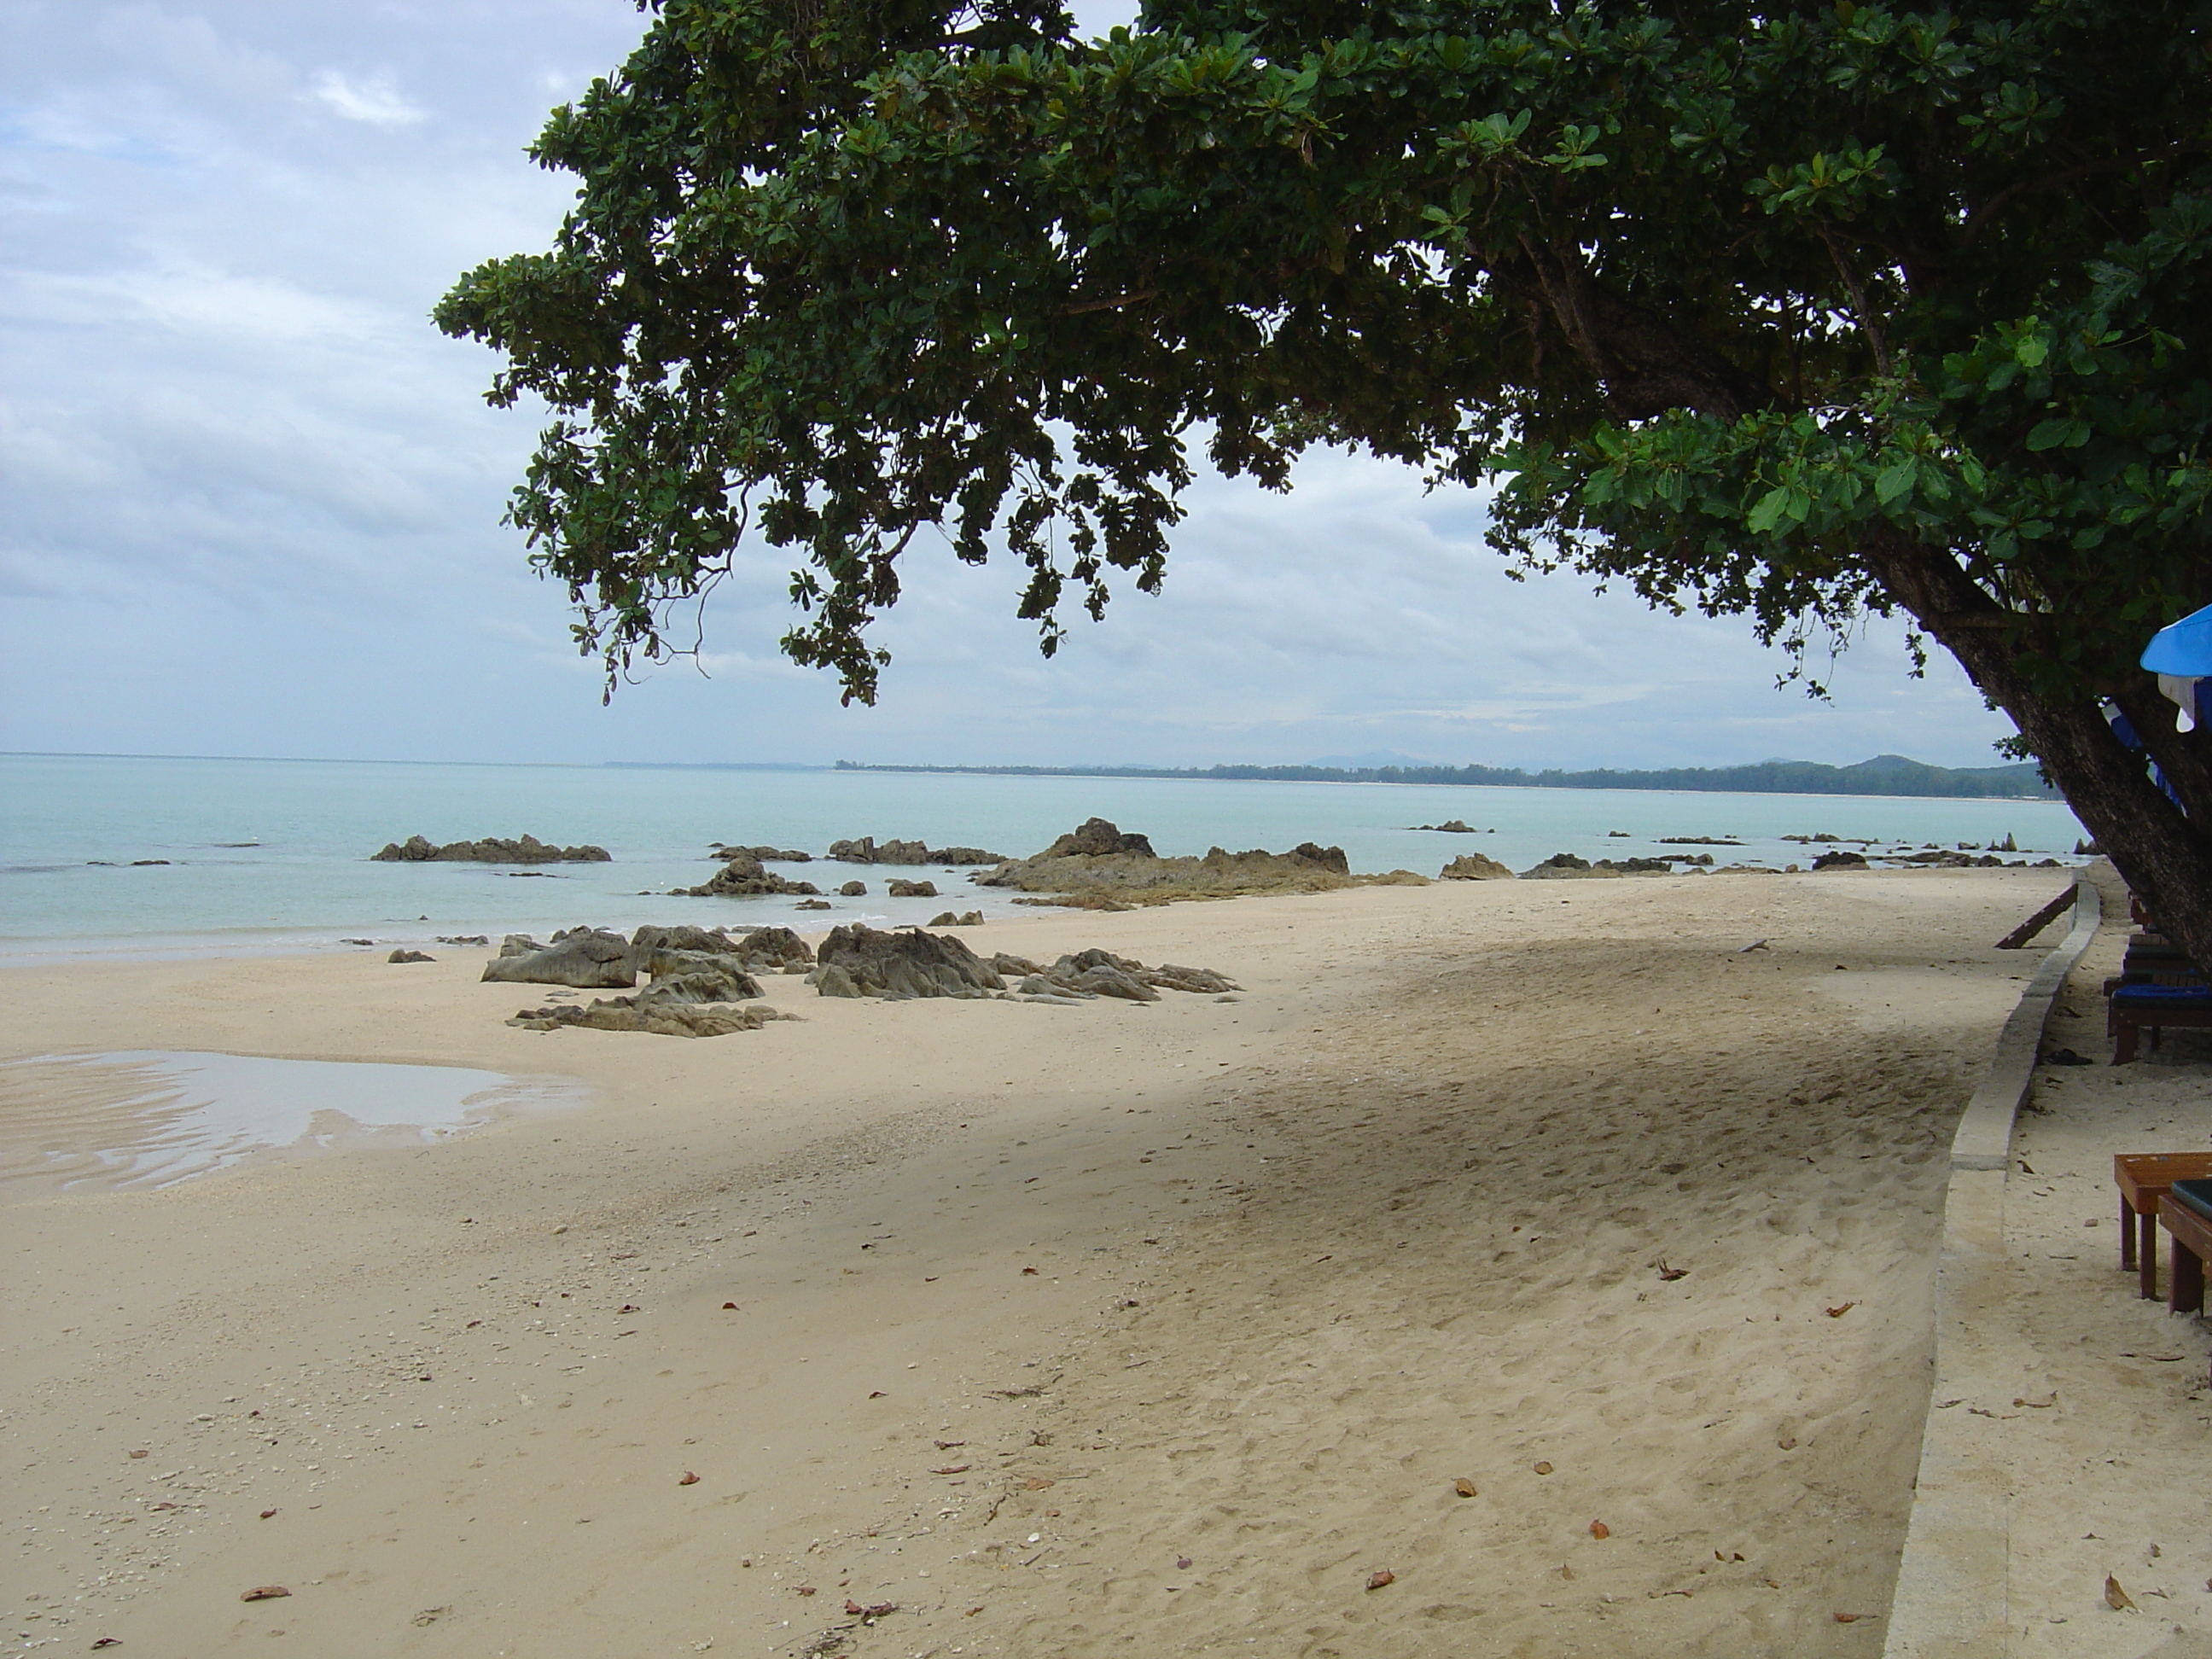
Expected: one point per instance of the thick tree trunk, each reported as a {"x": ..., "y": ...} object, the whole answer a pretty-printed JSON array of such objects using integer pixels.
[{"x": 2164, "y": 856}]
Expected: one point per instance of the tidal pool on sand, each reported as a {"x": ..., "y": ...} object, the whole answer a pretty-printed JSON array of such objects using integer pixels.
[{"x": 144, "y": 1118}]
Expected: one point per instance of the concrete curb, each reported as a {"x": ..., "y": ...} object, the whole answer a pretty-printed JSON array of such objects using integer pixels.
[{"x": 1951, "y": 1596}]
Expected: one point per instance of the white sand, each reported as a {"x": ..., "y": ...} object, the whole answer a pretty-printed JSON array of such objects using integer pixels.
[{"x": 1392, "y": 1219}]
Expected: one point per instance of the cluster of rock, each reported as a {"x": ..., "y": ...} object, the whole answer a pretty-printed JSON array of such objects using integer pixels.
[
  {"x": 1454, "y": 827},
  {"x": 1100, "y": 867},
  {"x": 766, "y": 854},
  {"x": 965, "y": 918},
  {"x": 900, "y": 888},
  {"x": 742, "y": 876},
  {"x": 418, "y": 849},
  {"x": 697, "y": 973},
  {"x": 1474, "y": 867},
  {"x": 868, "y": 850},
  {"x": 860, "y": 961}
]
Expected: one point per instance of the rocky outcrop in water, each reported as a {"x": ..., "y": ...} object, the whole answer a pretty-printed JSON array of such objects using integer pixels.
[
  {"x": 868, "y": 850},
  {"x": 766, "y": 854},
  {"x": 1449, "y": 827},
  {"x": 416, "y": 849},
  {"x": 586, "y": 957},
  {"x": 853, "y": 890},
  {"x": 862, "y": 961},
  {"x": 743, "y": 876},
  {"x": 899, "y": 889},
  {"x": 409, "y": 955},
  {"x": 1474, "y": 867},
  {"x": 1099, "y": 866}
]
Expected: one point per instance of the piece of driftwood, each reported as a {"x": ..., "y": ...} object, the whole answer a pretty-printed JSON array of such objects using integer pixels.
[{"x": 2036, "y": 923}]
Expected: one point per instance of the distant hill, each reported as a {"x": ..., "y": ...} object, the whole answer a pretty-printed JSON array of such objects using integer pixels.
[{"x": 1885, "y": 775}]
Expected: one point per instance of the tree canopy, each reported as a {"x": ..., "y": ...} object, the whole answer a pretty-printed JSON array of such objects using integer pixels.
[{"x": 1794, "y": 312}]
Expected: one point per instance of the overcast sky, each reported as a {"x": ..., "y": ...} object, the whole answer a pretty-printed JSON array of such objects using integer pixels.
[{"x": 252, "y": 498}]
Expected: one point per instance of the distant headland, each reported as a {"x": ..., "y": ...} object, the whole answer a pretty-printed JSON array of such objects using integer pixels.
[{"x": 1885, "y": 775}]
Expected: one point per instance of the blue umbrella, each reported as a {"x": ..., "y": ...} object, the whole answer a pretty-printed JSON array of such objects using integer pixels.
[
  {"x": 2181, "y": 656},
  {"x": 2183, "y": 650}
]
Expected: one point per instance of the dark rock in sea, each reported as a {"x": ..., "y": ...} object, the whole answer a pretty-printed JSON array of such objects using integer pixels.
[
  {"x": 853, "y": 890},
  {"x": 583, "y": 956},
  {"x": 146, "y": 863},
  {"x": 766, "y": 854},
  {"x": 1617, "y": 835},
  {"x": 1098, "y": 838},
  {"x": 409, "y": 955},
  {"x": 964, "y": 918},
  {"x": 356, "y": 941},
  {"x": 463, "y": 939},
  {"x": 900, "y": 965},
  {"x": 899, "y": 889},
  {"x": 1842, "y": 859},
  {"x": 1636, "y": 866},
  {"x": 742, "y": 876},
  {"x": 814, "y": 904},
  {"x": 1699, "y": 841},
  {"x": 416, "y": 849},
  {"x": 866, "y": 850},
  {"x": 1449, "y": 827},
  {"x": 1474, "y": 867}
]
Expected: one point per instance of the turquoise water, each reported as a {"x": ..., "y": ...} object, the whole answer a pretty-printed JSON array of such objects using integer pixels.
[{"x": 72, "y": 826}]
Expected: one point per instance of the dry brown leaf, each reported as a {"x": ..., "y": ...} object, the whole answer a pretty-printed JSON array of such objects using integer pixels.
[
  {"x": 2118, "y": 1599},
  {"x": 265, "y": 1514},
  {"x": 1379, "y": 1576},
  {"x": 264, "y": 1593},
  {"x": 947, "y": 1445},
  {"x": 1670, "y": 1274},
  {"x": 1599, "y": 1529},
  {"x": 1567, "y": 1573},
  {"x": 1183, "y": 1563},
  {"x": 1838, "y": 1313},
  {"x": 1543, "y": 1469},
  {"x": 689, "y": 1480},
  {"x": 1844, "y": 1618},
  {"x": 1463, "y": 1486},
  {"x": 147, "y": 1453},
  {"x": 1029, "y": 1271},
  {"x": 729, "y": 1305},
  {"x": 1035, "y": 1483},
  {"x": 806, "y": 1589},
  {"x": 108, "y": 1642},
  {"x": 954, "y": 1469}
]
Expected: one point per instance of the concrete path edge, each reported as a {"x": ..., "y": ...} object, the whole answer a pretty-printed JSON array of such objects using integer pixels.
[{"x": 1951, "y": 1596}]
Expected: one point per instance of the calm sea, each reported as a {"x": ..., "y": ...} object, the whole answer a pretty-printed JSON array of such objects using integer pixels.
[{"x": 273, "y": 856}]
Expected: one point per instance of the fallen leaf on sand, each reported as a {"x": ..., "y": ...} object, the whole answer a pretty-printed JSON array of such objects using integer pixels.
[
  {"x": 142, "y": 1454},
  {"x": 806, "y": 1589},
  {"x": 1670, "y": 1274},
  {"x": 1183, "y": 1563},
  {"x": 264, "y": 1593},
  {"x": 627, "y": 1307},
  {"x": 1838, "y": 1313},
  {"x": 1379, "y": 1576},
  {"x": 265, "y": 1514},
  {"x": 689, "y": 1480},
  {"x": 877, "y": 1612},
  {"x": 877, "y": 1395},
  {"x": 1567, "y": 1573},
  {"x": 854, "y": 1608},
  {"x": 729, "y": 1306},
  {"x": 1463, "y": 1486},
  {"x": 954, "y": 1469},
  {"x": 158, "y": 1508},
  {"x": 971, "y": 1613},
  {"x": 1789, "y": 1442},
  {"x": 1844, "y": 1618},
  {"x": 108, "y": 1642},
  {"x": 1543, "y": 1469},
  {"x": 1035, "y": 1483},
  {"x": 1599, "y": 1529},
  {"x": 947, "y": 1445},
  {"x": 1031, "y": 1272},
  {"x": 2118, "y": 1599}
]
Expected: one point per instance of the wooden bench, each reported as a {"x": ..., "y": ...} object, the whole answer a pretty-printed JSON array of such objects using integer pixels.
[
  {"x": 2132, "y": 1009},
  {"x": 2192, "y": 1245},
  {"x": 2145, "y": 1178}
]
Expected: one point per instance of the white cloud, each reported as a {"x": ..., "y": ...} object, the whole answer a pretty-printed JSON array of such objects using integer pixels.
[{"x": 374, "y": 100}]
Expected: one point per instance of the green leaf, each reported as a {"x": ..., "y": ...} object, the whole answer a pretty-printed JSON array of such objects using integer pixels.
[
  {"x": 1895, "y": 481},
  {"x": 1768, "y": 513}
]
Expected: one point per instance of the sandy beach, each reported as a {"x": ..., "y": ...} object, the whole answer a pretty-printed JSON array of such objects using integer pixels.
[{"x": 1535, "y": 1243}]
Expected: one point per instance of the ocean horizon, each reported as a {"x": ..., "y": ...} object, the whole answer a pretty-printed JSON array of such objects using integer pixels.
[{"x": 167, "y": 855}]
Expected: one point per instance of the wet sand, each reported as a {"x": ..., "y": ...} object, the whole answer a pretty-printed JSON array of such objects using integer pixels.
[{"x": 1118, "y": 1328}]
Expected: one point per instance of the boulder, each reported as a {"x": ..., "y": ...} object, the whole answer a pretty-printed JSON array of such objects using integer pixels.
[
  {"x": 765, "y": 855},
  {"x": 742, "y": 876},
  {"x": 583, "y": 956},
  {"x": 1013, "y": 966},
  {"x": 814, "y": 904},
  {"x": 866, "y": 850},
  {"x": 902, "y": 964},
  {"x": 1098, "y": 838},
  {"x": 409, "y": 955},
  {"x": 663, "y": 1018},
  {"x": 1842, "y": 859},
  {"x": 1567, "y": 866},
  {"x": 1449, "y": 827},
  {"x": 1474, "y": 867},
  {"x": 964, "y": 918},
  {"x": 1636, "y": 866},
  {"x": 463, "y": 939},
  {"x": 683, "y": 949},
  {"x": 418, "y": 849},
  {"x": 1097, "y": 973},
  {"x": 853, "y": 890},
  {"x": 912, "y": 889}
]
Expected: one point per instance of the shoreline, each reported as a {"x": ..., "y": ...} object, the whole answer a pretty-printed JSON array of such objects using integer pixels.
[{"x": 1394, "y": 1218}]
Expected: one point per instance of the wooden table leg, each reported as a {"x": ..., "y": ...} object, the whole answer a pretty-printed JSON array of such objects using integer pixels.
[
  {"x": 2187, "y": 1295},
  {"x": 2147, "y": 1258},
  {"x": 2127, "y": 1234}
]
